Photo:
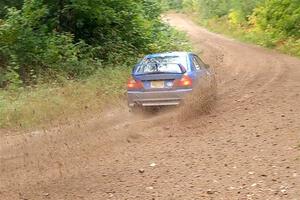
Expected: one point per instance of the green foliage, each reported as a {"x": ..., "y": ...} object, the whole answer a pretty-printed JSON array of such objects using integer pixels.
[
  {"x": 282, "y": 17},
  {"x": 9, "y": 3},
  {"x": 112, "y": 25},
  {"x": 271, "y": 23},
  {"x": 243, "y": 8},
  {"x": 45, "y": 40},
  {"x": 29, "y": 50},
  {"x": 171, "y": 4},
  {"x": 217, "y": 8},
  {"x": 236, "y": 17}
]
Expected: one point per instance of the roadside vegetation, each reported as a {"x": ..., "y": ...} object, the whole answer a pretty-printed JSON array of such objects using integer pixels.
[
  {"x": 269, "y": 23},
  {"x": 43, "y": 104},
  {"x": 60, "y": 58}
]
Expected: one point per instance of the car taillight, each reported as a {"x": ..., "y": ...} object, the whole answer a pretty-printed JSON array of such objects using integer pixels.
[
  {"x": 185, "y": 81},
  {"x": 134, "y": 84}
]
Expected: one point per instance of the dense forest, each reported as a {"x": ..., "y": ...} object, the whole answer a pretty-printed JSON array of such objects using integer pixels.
[
  {"x": 271, "y": 23},
  {"x": 41, "y": 40}
]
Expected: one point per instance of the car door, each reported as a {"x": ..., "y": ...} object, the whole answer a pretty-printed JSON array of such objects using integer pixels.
[{"x": 202, "y": 70}]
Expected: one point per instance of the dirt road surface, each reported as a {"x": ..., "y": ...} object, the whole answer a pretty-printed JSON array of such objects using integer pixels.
[{"x": 248, "y": 147}]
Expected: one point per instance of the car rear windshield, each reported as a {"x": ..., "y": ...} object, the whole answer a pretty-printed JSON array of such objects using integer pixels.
[{"x": 164, "y": 64}]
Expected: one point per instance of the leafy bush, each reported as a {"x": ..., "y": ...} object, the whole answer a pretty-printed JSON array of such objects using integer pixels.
[
  {"x": 271, "y": 23},
  {"x": 282, "y": 17},
  {"x": 29, "y": 50},
  {"x": 45, "y": 40},
  {"x": 9, "y": 3},
  {"x": 171, "y": 4}
]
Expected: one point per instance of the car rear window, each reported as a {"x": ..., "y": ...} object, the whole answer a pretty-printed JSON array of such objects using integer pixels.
[{"x": 163, "y": 64}]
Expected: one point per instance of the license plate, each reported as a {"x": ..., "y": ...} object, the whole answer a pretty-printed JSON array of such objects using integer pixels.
[{"x": 157, "y": 84}]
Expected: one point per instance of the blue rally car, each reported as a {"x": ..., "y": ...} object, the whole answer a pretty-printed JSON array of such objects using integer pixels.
[{"x": 164, "y": 79}]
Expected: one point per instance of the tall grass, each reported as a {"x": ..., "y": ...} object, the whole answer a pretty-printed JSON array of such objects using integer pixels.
[{"x": 31, "y": 107}]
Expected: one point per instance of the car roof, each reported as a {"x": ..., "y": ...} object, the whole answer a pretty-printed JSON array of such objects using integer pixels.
[{"x": 175, "y": 53}]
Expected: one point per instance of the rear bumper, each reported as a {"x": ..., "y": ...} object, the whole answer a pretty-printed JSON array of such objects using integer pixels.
[{"x": 156, "y": 98}]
